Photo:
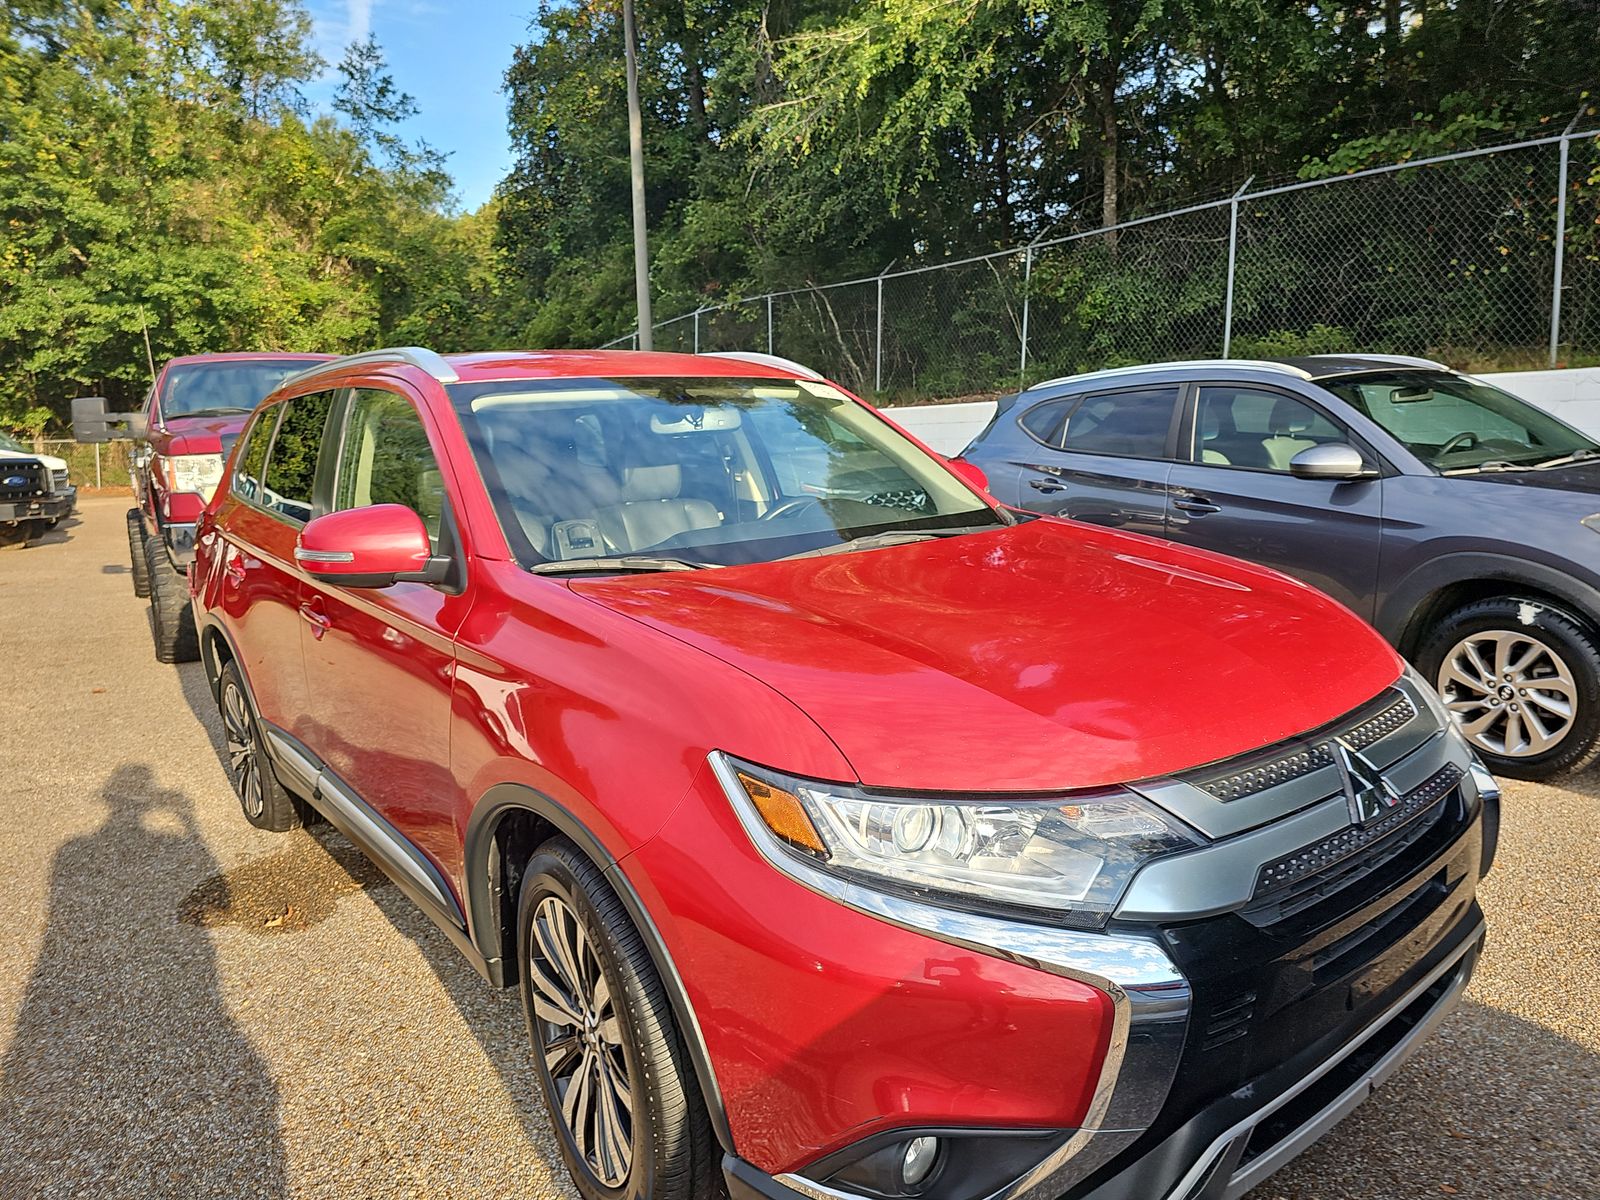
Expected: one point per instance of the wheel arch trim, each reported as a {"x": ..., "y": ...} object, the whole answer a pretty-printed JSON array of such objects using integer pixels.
[
  {"x": 1401, "y": 615},
  {"x": 480, "y": 863}
]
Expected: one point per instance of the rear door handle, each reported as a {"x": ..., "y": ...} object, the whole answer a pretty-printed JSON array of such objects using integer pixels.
[
  {"x": 1197, "y": 505},
  {"x": 1047, "y": 486},
  {"x": 317, "y": 619}
]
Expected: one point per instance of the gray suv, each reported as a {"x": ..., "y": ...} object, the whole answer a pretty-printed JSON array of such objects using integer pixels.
[{"x": 1464, "y": 523}]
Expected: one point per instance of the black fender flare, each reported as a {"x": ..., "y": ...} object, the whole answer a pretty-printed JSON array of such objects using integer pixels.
[
  {"x": 481, "y": 867},
  {"x": 1400, "y": 609}
]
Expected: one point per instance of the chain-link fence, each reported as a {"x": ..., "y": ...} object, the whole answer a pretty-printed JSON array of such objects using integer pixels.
[
  {"x": 90, "y": 466},
  {"x": 1487, "y": 259}
]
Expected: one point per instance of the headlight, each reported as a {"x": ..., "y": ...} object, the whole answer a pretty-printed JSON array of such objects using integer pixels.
[
  {"x": 1071, "y": 857},
  {"x": 192, "y": 472}
]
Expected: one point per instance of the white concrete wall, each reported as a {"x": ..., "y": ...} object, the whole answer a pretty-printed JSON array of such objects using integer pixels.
[{"x": 1573, "y": 395}]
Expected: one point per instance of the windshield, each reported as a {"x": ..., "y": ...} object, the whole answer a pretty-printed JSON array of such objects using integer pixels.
[
  {"x": 196, "y": 389},
  {"x": 700, "y": 471},
  {"x": 7, "y": 442},
  {"x": 1456, "y": 424}
]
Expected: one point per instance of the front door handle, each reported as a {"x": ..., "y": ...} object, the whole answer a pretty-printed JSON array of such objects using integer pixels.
[
  {"x": 317, "y": 619},
  {"x": 1047, "y": 486},
  {"x": 1197, "y": 506}
]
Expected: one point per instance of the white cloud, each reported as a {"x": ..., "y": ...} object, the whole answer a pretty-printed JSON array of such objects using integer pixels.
[{"x": 357, "y": 20}]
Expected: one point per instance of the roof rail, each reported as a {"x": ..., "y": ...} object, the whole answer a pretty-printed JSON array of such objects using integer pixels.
[
  {"x": 1399, "y": 360},
  {"x": 413, "y": 356},
  {"x": 765, "y": 360},
  {"x": 1113, "y": 372}
]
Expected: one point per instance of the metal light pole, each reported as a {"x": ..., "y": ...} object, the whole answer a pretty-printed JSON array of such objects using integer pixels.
[{"x": 641, "y": 245}]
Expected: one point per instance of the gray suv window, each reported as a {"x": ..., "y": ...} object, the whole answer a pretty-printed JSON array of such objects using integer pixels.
[
  {"x": 1257, "y": 428},
  {"x": 1132, "y": 423}
]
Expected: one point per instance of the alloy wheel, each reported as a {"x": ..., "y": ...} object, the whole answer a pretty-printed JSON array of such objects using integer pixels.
[
  {"x": 244, "y": 752},
  {"x": 1511, "y": 693},
  {"x": 581, "y": 1039}
]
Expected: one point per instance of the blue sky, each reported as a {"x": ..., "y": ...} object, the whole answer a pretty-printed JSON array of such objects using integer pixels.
[{"x": 451, "y": 58}]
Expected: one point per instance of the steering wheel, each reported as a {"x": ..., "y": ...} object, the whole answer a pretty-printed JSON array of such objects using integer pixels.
[
  {"x": 785, "y": 508},
  {"x": 1461, "y": 441}
]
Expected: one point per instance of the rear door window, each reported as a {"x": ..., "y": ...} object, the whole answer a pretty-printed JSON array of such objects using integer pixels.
[
  {"x": 292, "y": 463},
  {"x": 1133, "y": 423},
  {"x": 253, "y": 456}
]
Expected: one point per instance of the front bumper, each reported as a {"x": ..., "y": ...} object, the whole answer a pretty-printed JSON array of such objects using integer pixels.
[
  {"x": 42, "y": 508},
  {"x": 1238, "y": 1141}
]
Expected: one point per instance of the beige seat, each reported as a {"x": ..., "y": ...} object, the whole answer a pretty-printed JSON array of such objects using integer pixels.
[
  {"x": 652, "y": 511},
  {"x": 1210, "y": 431},
  {"x": 1289, "y": 419}
]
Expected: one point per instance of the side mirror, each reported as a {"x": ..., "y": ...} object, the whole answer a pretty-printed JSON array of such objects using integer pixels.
[
  {"x": 92, "y": 421},
  {"x": 373, "y": 547},
  {"x": 971, "y": 472},
  {"x": 1336, "y": 460}
]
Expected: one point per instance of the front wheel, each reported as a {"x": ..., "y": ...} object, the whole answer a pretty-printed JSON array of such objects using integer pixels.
[
  {"x": 611, "y": 1062},
  {"x": 171, "y": 618},
  {"x": 1522, "y": 680},
  {"x": 266, "y": 803}
]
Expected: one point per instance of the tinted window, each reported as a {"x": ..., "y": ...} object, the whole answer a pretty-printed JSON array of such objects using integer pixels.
[
  {"x": 230, "y": 386},
  {"x": 1133, "y": 423},
  {"x": 247, "y": 471},
  {"x": 1257, "y": 428},
  {"x": 1046, "y": 421},
  {"x": 292, "y": 464},
  {"x": 387, "y": 460}
]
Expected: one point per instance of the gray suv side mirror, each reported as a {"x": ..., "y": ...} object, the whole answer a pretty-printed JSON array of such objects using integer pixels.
[
  {"x": 93, "y": 422},
  {"x": 1336, "y": 460}
]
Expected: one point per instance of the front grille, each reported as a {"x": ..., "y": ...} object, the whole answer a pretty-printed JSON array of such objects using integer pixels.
[
  {"x": 1295, "y": 882},
  {"x": 23, "y": 480},
  {"x": 58, "y": 479},
  {"x": 1291, "y": 760},
  {"x": 1227, "y": 1021}
]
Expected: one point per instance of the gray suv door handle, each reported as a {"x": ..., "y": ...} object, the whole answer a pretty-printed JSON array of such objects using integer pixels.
[
  {"x": 1046, "y": 485},
  {"x": 1197, "y": 505}
]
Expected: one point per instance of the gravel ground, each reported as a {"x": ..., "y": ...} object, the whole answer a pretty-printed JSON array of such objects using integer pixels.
[{"x": 192, "y": 1008}]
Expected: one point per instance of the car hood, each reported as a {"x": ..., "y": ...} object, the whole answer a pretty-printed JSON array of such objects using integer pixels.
[
  {"x": 1041, "y": 656},
  {"x": 198, "y": 435},
  {"x": 49, "y": 460}
]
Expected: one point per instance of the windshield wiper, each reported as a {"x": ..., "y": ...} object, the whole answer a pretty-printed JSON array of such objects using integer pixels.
[
  {"x": 1495, "y": 465},
  {"x": 208, "y": 412},
  {"x": 623, "y": 562},
  {"x": 1575, "y": 457},
  {"x": 891, "y": 537}
]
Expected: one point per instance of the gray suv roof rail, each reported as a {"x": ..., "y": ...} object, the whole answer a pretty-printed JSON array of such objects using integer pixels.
[
  {"x": 1398, "y": 360},
  {"x": 1114, "y": 372},
  {"x": 412, "y": 356}
]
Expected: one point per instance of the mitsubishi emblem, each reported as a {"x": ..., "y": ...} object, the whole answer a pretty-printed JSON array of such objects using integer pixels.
[{"x": 1368, "y": 794}]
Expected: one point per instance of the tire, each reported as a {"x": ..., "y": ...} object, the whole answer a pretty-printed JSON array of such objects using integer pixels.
[
  {"x": 1542, "y": 721},
  {"x": 171, "y": 618},
  {"x": 631, "y": 1037},
  {"x": 15, "y": 536},
  {"x": 266, "y": 803},
  {"x": 136, "y": 541}
]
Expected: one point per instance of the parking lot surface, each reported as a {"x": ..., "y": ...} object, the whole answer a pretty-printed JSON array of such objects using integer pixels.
[{"x": 190, "y": 1007}]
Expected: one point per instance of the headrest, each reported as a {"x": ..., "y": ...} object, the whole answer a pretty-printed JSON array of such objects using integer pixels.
[
  {"x": 651, "y": 483},
  {"x": 1289, "y": 416}
]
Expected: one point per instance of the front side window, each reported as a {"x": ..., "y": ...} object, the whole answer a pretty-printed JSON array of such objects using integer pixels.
[
  {"x": 711, "y": 470},
  {"x": 211, "y": 389},
  {"x": 292, "y": 463},
  {"x": 387, "y": 460},
  {"x": 1457, "y": 424},
  {"x": 1257, "y": 428},
  {"x": 253, "y": 455},
  {"x": 1133, "y": 423}
]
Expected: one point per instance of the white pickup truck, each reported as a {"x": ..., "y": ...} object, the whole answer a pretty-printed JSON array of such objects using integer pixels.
[{"x": 34, "y": 493}]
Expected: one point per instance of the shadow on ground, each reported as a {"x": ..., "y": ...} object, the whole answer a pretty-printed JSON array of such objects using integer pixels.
[{"x": 126, "y": 1074}]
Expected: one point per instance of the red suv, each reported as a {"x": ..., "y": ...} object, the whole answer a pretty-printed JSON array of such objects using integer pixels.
[{"x": 847, "y": 834}]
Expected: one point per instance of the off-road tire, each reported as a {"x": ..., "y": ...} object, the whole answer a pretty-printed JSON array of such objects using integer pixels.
[
  {"x": 265, "y": 802},
  {"x": 674, "y": 1154},
  {"x": 15, "y": 537},
  {"x": 1574, "y": 640},
  {"x": 171, "y": 619},
  {"x": 136, "y": 541}
]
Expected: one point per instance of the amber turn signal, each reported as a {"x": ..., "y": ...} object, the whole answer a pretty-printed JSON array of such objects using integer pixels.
[{"x": 784, "y": 814}]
